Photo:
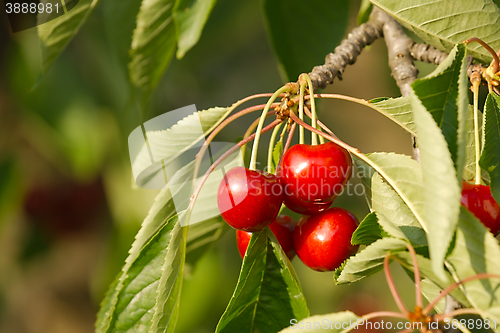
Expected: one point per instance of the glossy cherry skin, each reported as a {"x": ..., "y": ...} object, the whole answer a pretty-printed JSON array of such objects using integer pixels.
[
  {"x": 282, "y": 227},
  {"x": 314, "y": 173},
  {"x": 480, "y": 202},
  {"x": 249, "y": 200},
  {"x": 323, "y": 241}
]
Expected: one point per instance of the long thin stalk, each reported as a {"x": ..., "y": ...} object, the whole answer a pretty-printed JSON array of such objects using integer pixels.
[
  {"x": 392, "y": 286},
  {"x": 301, "y": 111},
  {"x": 476, "y": 81},
  {"x": 271, "y": 148},
  {"x": 252, "y": 127},
  {"x": 416, "y": 272},
  {"x": 326, "y": 136},
  {"x": 379, "y": 314},
  {"x": 253, "y": 159},
  {"x": 314, "y": 136}
]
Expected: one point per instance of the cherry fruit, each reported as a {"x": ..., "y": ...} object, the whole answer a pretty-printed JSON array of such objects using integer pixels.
[
  {"x": 480, "y": 202},
  {"x": 314, "y": 175},
  {"x": 323, "y": 241},
  {"x": 282, "y": 227},
  {"x": 249, "y": 200}
]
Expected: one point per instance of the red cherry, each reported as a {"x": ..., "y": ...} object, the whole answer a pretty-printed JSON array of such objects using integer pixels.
[
  {"x": 249, "y": 200},
  {"x": 314, "y": 174},
  {"x": 282, "y": 227},
  {"x": 480, "y": 202},
  {"x": 323, "y": 241}
]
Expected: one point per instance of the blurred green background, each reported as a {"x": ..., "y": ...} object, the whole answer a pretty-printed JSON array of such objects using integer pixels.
[{"x": 68, "y": 210}]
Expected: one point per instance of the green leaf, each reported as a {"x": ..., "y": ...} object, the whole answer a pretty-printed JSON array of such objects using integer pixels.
[
  {"x": 55, "y": 35},
  {"x": 368, "y": 231},
  {"x": 404, "y": 175},
  {"x": 268, "y": 294},
  {"x": 490, "y": 157},
  {"x": 367, "y": 262},
  {"x": 166, "y": 308},
  {"x": 277, "y": 151},
  {"x": 190, "y": 18},
  {"x": 161, "y": 213},
  {"x": 320, "y": 323},
  {"x": 444, "y": 23},
  {"x": 394, "y": 215},
  {"x": 444, "y": 94},
  {"x": 106, "y": 306},
  {"x": 153, "y": 44},
  {"x": 476, "y": 251},
  {"x": 302, "y": 33},
  {"x": 365, "y": 10},
  {"x": 440, "y": 188},
  {"x": 396, "y": 109},
  {"x": 169, "y": 144},
  {"x": 135, "y": 307}
]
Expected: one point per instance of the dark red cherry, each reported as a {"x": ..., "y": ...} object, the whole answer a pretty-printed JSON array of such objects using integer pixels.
[
  {"x": 249, "y": 200},
  {"x": 314, "y": 173},
  {"x": 480, "y": 202},
  {"x": 323, "y": 241},
  {"x": 282, "y": 227}
]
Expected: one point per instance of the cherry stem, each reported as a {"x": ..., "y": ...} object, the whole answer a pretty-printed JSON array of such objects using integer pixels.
[
  {"x": 379, "y": 314},
  {"x": 476, "y": 81},
  {"x": 326, "y": 136},
  {"x": 392, "y": 287},
  {"x": 321, "y": 125},
  {"x": 301, "y": 111},
  {"x": 252, "y": 127},
  {"x": 271, "y": 148},
  {"x": 416, "y": 272},
  {"x": 452, "y": 287},
  {"x": 495, "y": 63},
  {"x": 195, "y": 194},
  {"x": 253, "y": 159},
  {"x": 314, "y": 136},
  {"x": 288, "y": 141},
  {"x": 216, "y": 131}
]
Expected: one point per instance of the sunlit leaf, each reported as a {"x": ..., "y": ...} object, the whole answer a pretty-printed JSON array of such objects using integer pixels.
[
  {"x": 153, "y": 44},
  {"x": 443, "y": 23},
  {"x": 369, "y": 261},
  {"x": 396, "y": 109},
  {"x": 394, "y": 215},
  {"x": 55, "y": 35},
  {"x": 190, "y": 18},
  {"x": 440, "y": 188}
]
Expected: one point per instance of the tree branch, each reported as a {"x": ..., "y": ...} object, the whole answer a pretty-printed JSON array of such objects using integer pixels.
[{"x": 346, "y": 53}]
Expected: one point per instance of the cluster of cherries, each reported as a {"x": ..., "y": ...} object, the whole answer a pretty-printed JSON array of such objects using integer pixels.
[{"x": 307, "y": 181}]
